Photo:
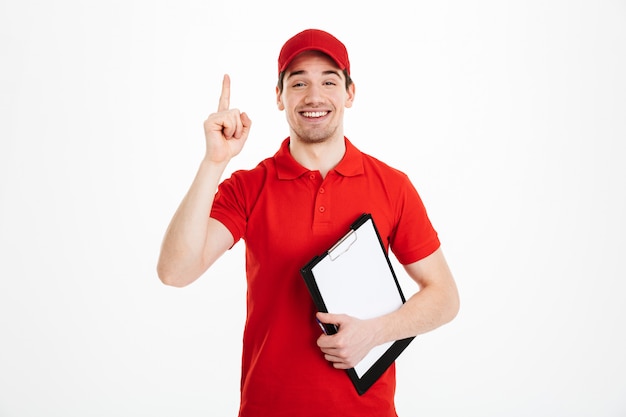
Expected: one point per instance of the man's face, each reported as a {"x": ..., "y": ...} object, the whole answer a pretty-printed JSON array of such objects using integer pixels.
[{"x": 314, "y": 98}]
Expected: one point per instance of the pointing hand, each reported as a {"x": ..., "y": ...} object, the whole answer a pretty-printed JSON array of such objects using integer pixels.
[{"x": 226, "y": 130}]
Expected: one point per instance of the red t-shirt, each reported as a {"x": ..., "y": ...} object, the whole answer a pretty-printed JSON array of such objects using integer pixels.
[{"x": 287, "y": 214}]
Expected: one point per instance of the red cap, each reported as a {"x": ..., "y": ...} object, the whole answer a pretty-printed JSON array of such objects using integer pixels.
[{"x": 314, "y": 40}]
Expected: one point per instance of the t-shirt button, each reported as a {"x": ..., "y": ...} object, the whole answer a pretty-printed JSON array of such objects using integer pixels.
[
  {"x": 322, "y": 190},
  {"x": 322, "y": 209},
  {"x": 312, "y": 176}
]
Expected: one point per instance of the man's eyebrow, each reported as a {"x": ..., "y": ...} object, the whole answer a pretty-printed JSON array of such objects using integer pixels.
[
  {"x": 300, "y": 72},
  {"x": 292, "y": 74}
]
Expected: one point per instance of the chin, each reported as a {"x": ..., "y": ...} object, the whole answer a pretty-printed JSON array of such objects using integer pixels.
[
  {"x": 313, "y": 140},
  {"x": 314, "y": 137}
]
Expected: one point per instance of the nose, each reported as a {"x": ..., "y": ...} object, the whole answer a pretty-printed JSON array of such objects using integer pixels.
[{"x": 313, "y": 95}]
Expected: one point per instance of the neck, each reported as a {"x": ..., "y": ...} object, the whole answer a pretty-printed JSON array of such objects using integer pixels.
[{"x": 322, "y": 156}]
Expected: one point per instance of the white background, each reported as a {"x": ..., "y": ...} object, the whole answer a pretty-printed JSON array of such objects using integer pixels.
[{"x": 510, "y": 118}]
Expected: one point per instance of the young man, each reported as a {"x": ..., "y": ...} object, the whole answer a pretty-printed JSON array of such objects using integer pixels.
[{"x": 290, "y": 208}]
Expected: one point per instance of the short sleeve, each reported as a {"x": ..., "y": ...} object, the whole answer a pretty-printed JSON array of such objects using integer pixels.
[{"x": 414, "y": 237}]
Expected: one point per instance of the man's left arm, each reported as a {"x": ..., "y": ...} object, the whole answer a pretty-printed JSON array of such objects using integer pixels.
[{"x": 435, "y": 304}]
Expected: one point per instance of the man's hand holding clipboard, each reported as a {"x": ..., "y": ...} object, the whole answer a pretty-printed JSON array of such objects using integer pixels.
[{"x": 346, "y": 347}]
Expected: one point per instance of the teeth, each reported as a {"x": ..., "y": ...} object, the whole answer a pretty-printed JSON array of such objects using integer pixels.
[{"x": 314, "y": 113}]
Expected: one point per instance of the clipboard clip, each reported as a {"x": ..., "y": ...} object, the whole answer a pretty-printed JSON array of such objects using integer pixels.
[{"x": 342, "y": 246}]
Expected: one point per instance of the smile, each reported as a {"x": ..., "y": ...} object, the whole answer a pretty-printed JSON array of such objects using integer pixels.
[{"x": 314, "y": 114}]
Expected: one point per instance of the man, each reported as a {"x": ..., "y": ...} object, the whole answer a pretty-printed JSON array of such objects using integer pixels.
[{"x": 289, "y": 208}]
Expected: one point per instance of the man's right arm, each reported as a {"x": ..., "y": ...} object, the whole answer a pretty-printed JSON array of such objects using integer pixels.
[{"x": 193, "y": 240}]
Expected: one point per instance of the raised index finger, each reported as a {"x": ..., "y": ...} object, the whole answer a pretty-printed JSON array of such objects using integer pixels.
[{"x": 225, "y": 96}]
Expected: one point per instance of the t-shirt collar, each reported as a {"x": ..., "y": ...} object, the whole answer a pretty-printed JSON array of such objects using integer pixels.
[{"x": 288, "y": 168}]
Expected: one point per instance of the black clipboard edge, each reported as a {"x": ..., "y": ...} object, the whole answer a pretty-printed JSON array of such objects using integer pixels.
[
  {"x": 368, "y": 379},
  {"x": 361, "y": 220}
]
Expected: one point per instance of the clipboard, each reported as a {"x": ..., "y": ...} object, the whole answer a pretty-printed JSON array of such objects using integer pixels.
[{"x": 355, "y": 277}]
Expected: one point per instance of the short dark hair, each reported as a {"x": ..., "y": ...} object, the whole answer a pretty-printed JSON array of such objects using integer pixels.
[{"x": 281, "y": 79}]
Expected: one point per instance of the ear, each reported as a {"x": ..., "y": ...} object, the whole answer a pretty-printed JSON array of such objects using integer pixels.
[
  {"x": 350, "y": 95},
  {"x": 279, "y": 100}
]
